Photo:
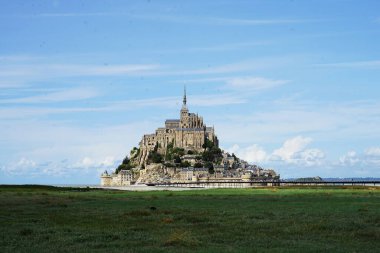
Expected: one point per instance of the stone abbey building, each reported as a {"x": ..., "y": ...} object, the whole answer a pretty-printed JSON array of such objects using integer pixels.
[
  {"x": 197, "y": 159},
  {"x": 188, "y": 132}
]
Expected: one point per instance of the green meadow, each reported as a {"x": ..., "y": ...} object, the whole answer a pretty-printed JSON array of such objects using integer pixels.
[{"x": 50, "y": 219}]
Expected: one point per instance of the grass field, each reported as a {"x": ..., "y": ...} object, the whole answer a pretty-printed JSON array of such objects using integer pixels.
[{"x": 48, "y": 219}]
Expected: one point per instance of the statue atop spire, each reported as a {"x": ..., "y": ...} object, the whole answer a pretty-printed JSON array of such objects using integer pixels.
[{"x": 184, "y": 96}]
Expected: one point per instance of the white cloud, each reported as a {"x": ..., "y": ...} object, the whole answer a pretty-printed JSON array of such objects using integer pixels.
[
  {"x": 26, "y": 72},
  {"x": 11, "y": 84},
  {"x": 104, "y": 70},
  {"x": 24, "y": 112},
  {"x": 88, "y": 162},
  {"x": 291, "y": 147},
  {"x": 372, "y": 156},
  {"x": 225, "y": 47},
  {"x": 217, "y": 47},
  {"x": 59, "y": 168},
  {"x": 82, "y": 148},
  {"x": 234, "y": 149},
  {"x": 253, "y": 83},
  {"x": 374, "y": 64},
  {"x": 199, "y": 100},
  {"x": 108, "y": 161},
  {"x": 23, "y": 166},
  {"x": 201, "y": 20},
  {"x": 309, "y": 157},
  {"x": 369, "y": 158},
  {"x": 216, "y": 100},
  {"x": 350, "y": 159},
  {"x": 246, "y": 84},
  {"x": 221, "y": 21},
  {"x": 294, "y": 156},
  {"x": 281, "y": 119},
  {"x": 38, "y": 70},
  {"x": 294, "y": 151},
  {"x": 240, "y": 66},
  {"x": 65, "y": 14},
  {"x": 23, "y": 162},
  {"x": 248, "y": 65},
  {"x": 373, "y": 151},
  {"x": 231, "y": 21},
  {"x": 253, "y": 154},
  {"x": 32, "y": 112},
  {"x": 77, "y": 14},
  {"x": 17, "y": 58},
  {"x": 79, "y": 93}
]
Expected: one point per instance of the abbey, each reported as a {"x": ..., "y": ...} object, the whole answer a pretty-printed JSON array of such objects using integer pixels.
[
  {"x": 188, "y": 132},
  {"x": 184, "y": 150}
]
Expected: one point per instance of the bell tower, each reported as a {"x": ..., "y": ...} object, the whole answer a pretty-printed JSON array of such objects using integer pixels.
[{"x": 184, "y": 111}]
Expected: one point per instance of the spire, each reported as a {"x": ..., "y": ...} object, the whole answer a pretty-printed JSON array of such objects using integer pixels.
[
  {"x": 184, "y": 96},
  {"x": 184, "y": 110}
]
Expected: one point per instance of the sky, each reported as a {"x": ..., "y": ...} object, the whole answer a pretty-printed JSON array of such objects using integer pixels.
[{"x": 290, "y": 85}]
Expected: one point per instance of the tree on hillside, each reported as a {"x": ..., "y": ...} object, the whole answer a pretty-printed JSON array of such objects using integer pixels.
[
  {"x": 125, "y": 165},
  {"x": 198, "y": 165},
  {"x": 210, "y": 167},
  {"x": 185, "y": 164},
  {"x": 208, "y": 144},
  {"x": 177, "y": 159},
  {"x": 155, "y": 157},
  {"x": 207, "y": 156},
  {"x": 135, "y": 152},
  {"x": 126, "y": 160}
]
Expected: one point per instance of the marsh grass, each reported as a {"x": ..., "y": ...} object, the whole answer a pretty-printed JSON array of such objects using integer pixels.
[
  {"x": 291, "y": 219},
  {"x": 181, "y": 238}
]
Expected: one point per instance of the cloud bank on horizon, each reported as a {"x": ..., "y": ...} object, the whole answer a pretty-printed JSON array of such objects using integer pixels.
[{"x": 292, "y": 85}]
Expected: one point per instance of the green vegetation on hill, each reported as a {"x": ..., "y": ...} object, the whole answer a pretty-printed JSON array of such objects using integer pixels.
[
  {"x": 172, "y": 157},
  {"x": 51, "y": 219},
  {"x": 155, "y": 157},
  {"x": 174, "y": 154},
  {"x": 213, "y": 154},
  {"x": 125, "y": 165}
]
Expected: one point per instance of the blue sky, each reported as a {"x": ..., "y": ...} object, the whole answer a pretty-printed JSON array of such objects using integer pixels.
[{"x": 289, "y": 85}]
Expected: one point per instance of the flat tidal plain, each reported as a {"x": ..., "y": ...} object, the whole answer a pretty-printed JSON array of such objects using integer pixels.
[{"x": 285, "y": 219}]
